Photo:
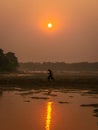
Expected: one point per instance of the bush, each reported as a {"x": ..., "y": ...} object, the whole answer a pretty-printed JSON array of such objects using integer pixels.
[{"x": 8, "y": 61}]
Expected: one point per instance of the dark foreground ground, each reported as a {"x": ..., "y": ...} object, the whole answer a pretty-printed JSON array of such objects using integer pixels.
[{"x": 63, "y": 80}]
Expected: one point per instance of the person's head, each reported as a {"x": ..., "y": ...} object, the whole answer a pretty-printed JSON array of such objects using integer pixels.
[{"x": 49, "y": 70}]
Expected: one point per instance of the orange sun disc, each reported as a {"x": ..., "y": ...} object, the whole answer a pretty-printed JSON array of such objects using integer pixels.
[{"x": 50, "y": 25}]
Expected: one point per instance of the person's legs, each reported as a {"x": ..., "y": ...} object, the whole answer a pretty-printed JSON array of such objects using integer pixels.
[
  {"x": 52, "y": 78},
  {"x": 49, "y": 78}
]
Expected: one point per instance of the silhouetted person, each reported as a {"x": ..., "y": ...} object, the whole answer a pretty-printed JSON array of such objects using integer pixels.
[{"x": 50, "y": 75}]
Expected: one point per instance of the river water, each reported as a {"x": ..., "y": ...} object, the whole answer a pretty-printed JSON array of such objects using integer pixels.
[{"x": 53, "y": 109}]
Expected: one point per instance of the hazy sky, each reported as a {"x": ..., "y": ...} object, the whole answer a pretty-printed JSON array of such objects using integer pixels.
[{"x": 73, "y": 38}]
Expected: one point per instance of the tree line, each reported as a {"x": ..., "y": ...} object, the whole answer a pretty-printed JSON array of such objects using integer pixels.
[
  {"x": 8, "y": 61},
  {"x": 59, "y": 66}
]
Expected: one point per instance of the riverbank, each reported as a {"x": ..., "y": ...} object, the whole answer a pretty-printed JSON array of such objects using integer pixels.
[{"x": 40, "y": 80}]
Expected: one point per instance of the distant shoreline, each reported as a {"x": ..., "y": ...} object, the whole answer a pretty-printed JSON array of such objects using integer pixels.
[{"x": 59, "y": 66}]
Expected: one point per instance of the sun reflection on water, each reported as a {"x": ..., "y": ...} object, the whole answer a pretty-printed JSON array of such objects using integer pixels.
[{"x": 48, "y": 116}]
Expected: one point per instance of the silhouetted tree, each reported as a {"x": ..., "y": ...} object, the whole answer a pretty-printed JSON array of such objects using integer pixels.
[
  {"x": 1, "y": 52},
  {"x": 8, "y": 61},
  {"x": 2, "y": 59}
]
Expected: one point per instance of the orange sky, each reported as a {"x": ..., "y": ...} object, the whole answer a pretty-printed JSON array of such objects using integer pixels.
[{"x": 73, "y": 38}]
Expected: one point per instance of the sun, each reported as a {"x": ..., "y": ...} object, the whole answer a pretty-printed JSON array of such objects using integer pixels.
[{"x": 50, "y": 25}]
